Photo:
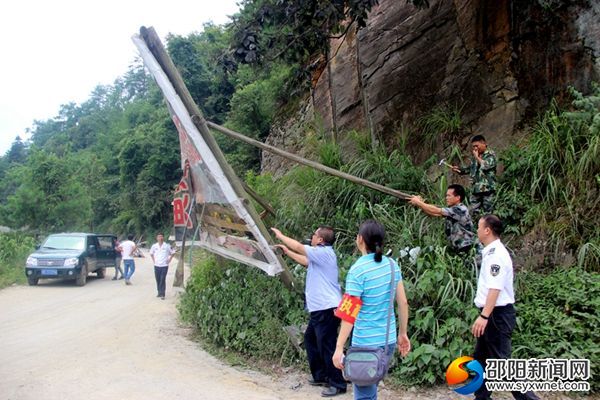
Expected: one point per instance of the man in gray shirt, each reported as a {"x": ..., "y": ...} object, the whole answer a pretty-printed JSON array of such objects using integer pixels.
[{"x": 323, "y": 294}]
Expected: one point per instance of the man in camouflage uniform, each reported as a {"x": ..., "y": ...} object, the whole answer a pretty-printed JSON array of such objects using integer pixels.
[
  {"x": 459, "y": 226},
  {"x": 483, "y": 176}
]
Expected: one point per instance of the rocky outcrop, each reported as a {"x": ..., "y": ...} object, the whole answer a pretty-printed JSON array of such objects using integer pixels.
[{"x": 498, "y": 61}]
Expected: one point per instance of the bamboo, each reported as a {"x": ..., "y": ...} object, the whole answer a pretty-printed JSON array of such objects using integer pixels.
[
  {"x": 308, "y": 163},
  {"x": 155, "y": 46}
]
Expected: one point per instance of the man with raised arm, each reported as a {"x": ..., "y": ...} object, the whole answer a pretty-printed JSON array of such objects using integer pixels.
[
  {"x": 482, "y": 171},
  {"x": 459, "y": 226},
  {"x": 323, "y": 294}
]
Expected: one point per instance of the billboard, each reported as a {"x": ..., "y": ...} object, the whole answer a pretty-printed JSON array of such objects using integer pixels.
[{"x": 206, "y": 207}]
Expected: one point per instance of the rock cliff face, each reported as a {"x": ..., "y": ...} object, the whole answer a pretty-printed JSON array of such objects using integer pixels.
[{"x": 498, "y": 61}]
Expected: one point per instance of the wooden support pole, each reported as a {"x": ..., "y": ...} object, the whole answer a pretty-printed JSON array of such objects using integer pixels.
[
  {"x": 308, "y": 163},
  {"x": 155, "y": 46},
  {"x": 266, "y": 206},
  {"x": 179, "y": 276}
]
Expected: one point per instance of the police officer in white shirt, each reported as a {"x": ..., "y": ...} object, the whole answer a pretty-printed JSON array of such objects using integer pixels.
[
  {"x": 161, "y": 254},
  {"x": 495, "y": 298}
]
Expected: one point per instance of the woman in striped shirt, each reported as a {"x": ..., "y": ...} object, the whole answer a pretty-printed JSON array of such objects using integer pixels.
[{"x": 368, "y": 283}]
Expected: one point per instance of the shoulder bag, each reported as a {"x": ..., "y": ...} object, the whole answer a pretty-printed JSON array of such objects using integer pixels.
[{"x": 364, "y": 365}]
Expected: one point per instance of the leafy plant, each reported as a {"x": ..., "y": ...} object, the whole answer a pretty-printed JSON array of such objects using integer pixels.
[
  {"x": 440, "y": 289},
  {"x": 15, "y": 249},
  {"x": 559, "y": 316},
  {"x": 550, "y": 181},
  {"x": 442, "y": 124},
  {"x": 241, "y": 309}
]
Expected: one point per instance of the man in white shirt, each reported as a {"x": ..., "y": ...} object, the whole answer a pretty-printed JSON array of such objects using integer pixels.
[
  {"x": 161, "y": 254},
  {"x": 127, "y": 249},
  {"x": 495, "y": 298}
]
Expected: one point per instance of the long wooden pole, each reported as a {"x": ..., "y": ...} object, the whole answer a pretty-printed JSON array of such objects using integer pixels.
[
  {"x": 162, "y": 57},
  {"x": 268, "y": 208},
  {"x": 308, "y": 163}
]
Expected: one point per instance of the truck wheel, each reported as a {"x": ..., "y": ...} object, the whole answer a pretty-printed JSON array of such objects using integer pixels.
[
  {"x": 32, "y": 281},
  {"x": 82, "y": 277},
  {"x": 101, "y": 273}
]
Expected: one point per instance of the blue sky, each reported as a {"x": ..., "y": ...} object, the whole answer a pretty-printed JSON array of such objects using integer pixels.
[{"x": 56, "y": 52}]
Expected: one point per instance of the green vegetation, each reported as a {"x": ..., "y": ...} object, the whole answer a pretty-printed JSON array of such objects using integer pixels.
[
  {"x": 440, "y": 289},
  {"x": 551, "y": 182},
  {"x": 13, "y": 252},
  {"x": 558, "y": 316},
  {"x": 442, "y": 125},
  {"x": 253, "y": 107},
  {"x": 241, "y": 309},
  {"x": 295, "y": 30}
]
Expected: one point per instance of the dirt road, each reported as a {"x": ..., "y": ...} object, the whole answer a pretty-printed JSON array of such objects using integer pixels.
[{"x": 107, "y": 340}]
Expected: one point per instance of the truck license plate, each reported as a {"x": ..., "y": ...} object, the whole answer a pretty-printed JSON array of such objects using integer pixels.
[{"x": 49, "y": 272}]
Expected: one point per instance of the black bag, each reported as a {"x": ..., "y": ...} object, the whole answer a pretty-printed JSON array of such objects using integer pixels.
[{"x": 365, "y": 366}]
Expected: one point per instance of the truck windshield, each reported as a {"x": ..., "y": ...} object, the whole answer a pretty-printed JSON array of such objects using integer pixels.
[{"x": 65, "y": 242}]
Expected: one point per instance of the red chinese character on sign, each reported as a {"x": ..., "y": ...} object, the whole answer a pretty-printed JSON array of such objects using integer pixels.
[{"x": 181, "y": 202}]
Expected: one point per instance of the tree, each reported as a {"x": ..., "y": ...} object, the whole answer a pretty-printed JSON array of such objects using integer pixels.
[
  {"x": 17, "y": 153},
  {"x": 206, "y": 66},
  {"x": 51, "y": 196},
  {"x": 266, "y": 30},
  {"x": 149, "y": 168}
]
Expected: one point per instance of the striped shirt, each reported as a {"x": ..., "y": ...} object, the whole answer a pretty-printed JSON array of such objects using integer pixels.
[{"x": 370, "y": 281}]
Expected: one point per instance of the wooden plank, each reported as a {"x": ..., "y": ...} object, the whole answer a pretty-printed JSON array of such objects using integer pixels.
[
  {"x": 211, "y": 208},
  {"x": 221, "y": 223},
  {"x": 213, "y": 231}
]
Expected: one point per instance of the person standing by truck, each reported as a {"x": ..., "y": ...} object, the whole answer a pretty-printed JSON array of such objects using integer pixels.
[
  {"x": 118, "y": 258},
  {"x": 127, "y": 249}
]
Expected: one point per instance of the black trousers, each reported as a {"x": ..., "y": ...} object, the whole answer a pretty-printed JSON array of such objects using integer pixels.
[
  {"x": 496, "y": 343},
  {"x": 319, "y": 340},
  {"x": 160, "y": 273}
]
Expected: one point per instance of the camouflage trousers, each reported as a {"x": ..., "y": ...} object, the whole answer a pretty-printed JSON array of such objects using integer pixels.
[
  {"x": 481, "y": 204},
  {"x": 471, "y": 255}
]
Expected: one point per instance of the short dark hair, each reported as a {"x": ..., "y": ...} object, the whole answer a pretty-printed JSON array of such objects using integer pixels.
[
  {"x": 494, "y": 223},
  {"x": 478, "y": 138},
  {"x": 327, "y": 234},
  {"x": 373, "y": 233},
  {"x": 130, "y": 236},
  {"x": 458, "y": 191}
]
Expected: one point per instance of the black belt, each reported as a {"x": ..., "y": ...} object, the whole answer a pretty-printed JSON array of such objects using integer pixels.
[{"x": 507, "y": 307}]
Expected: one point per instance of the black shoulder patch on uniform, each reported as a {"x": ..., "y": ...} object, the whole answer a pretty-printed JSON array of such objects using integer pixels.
[
  {"x": 491, "y": 251},
  {"x": 494, "y": 269}
]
